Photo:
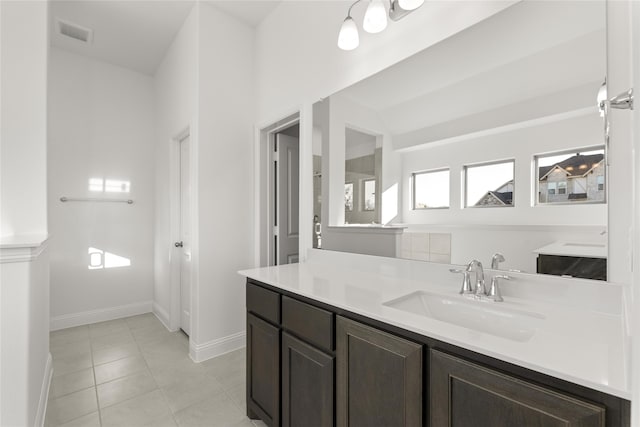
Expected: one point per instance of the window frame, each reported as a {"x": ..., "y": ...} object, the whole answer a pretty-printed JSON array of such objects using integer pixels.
[
  {"x": 364, "y": 195},
  {"x": 413, "y": 188},
  {"x": 465, "y": 169}
]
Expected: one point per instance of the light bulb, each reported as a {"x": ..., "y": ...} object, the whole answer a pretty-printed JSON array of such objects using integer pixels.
[
  {"x": 375, "y": 19},
  {"x": 410, "y": 4},
  {"x": 348, "y": 38}
]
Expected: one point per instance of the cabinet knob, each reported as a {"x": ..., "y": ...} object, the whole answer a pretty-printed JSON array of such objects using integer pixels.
[{"x": 178, "y": 244}]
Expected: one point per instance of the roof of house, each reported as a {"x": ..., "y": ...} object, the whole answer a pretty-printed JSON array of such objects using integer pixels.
[
  {"x": 506, "y": 198},
  {"x": 574, "y": 166}
]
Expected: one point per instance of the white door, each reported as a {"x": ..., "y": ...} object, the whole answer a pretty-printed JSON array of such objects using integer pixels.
[
  {"x": 287, "y": 206},
  {"x": 185, "y": 237}
]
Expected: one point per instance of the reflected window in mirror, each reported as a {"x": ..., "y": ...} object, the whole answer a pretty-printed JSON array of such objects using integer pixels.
[
  {"x": 490, "y": 184},
  {"x": 431, "y": 189},
  {"x": 348, "y": 197},
  {"x": 369, "y": 193},
  {"x": 571, "y": 177}
]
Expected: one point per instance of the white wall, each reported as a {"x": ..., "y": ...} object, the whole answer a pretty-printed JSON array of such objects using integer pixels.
[
  {"x": 205, "y": 83},
  {"x": 101, "y": 127},
  {"x": 25, "y": 363},
  {"x": 176, "y": 90},
  {"x": 225, "y": 211},
  {"x": 23, "y": 133}
]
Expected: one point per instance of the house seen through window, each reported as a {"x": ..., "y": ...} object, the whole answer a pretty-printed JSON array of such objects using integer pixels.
[
  {"x": 489, "y": 184},
  {"x": 571, "y": 177}
]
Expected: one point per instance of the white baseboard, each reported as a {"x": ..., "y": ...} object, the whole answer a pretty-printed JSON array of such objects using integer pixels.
[
  {"x": 44, "y": 392},
  {"x": 208, "y": 350},
  {"x": 162, "y": 315},
  {"x": 101, "y": 315}
]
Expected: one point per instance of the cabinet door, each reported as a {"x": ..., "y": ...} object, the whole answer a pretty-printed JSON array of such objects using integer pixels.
[
  {"x": 467, "y": 395},
  {"x": 307, "y": 384},
  {"x": 378, "y": 376},
  {"x": 263, "y": 371}
]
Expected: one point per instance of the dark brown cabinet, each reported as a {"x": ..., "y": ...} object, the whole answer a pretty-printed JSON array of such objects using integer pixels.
[
  {"x": 378, "y": 377},
  {"x": 311, "y": 364},
  {"x": 464, "y": 394},
  {"x": 307, "y": 384},
  {"x": 263, "y": 371}
]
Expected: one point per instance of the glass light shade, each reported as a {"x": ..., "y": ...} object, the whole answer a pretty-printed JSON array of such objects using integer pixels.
[
  {"x": 410, "y": 4},
  {"x": 375, "y": 19},
  {"x": 348, "y": 38}
]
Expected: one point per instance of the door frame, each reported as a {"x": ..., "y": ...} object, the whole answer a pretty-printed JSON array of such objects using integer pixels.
[
  {"x": 264, "y": 179},
  {"x": 174, "y": 224}
]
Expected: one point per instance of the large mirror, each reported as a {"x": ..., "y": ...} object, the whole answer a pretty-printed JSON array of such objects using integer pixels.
[{"x": 489, "y": 142}]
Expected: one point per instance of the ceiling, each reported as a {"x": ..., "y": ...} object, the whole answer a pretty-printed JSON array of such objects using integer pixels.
[
  {"x": 136, "y": 34},
  {"x": 493, "y": 65}
]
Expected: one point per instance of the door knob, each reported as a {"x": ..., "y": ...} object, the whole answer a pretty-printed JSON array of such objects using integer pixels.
[{"x": 178, "y": 244}]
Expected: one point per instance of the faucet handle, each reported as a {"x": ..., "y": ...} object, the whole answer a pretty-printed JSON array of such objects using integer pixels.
[
  {"x": 494, "y": 292},
  {"x": 466, "y": 281}
]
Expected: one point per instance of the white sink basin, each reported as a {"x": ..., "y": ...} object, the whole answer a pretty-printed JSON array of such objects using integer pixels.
[{"x": 483, "y": 316}]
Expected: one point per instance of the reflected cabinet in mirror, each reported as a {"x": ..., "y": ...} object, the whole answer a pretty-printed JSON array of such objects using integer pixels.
[{"x": 488, "y": 142}]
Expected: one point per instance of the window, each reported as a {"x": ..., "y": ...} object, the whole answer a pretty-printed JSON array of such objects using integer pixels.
[
  {"x": 431, "y": 189},
  {"x": 369, "y": 195},
  {"x": 489, "y": 184},
  {"x": 562, "y": 187},
  {"x": 571, "y": 176},
  {"x": 348, "y": 196}
]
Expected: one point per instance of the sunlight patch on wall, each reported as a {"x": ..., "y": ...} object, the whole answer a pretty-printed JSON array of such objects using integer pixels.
[
  {"x": 390, "y": 204},
  {"x": 109, "y": 185},
  {"x": 99, "y": 259}
]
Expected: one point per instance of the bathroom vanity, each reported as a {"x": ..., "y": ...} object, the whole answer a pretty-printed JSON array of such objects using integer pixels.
[{"x": 347, "y": 339}]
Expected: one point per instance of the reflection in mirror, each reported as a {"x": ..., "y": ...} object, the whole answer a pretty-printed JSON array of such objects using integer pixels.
[
  {"x": 489, "y": 185},
  {"x": 506, "y": 108},
  {"x": 573, "y": 177},
  {"x": 363, "y": 160}
]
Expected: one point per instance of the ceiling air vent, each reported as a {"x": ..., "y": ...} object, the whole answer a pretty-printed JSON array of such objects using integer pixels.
[{"x": 68, "y": 29}]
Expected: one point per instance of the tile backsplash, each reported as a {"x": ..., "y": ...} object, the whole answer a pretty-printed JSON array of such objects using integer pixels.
[{"x": 433, "y": 247}]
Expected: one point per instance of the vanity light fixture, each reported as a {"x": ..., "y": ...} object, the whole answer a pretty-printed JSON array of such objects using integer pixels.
[{"x": 375, "y": 19}]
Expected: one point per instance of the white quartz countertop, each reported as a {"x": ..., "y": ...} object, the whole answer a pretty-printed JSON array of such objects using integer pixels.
[
  {"x": 583, "y": 341},
  {"x": 589, "y": 250}
]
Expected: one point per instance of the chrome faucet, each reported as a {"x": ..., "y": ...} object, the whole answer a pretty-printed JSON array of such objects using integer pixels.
[
  {"x": 476, "y": 266},
  {"x": 496, "y": 260}
]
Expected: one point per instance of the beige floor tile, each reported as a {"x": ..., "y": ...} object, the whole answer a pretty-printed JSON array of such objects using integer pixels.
[
  {"x": 68, "y": 349},
  {"x": 246, "y": 422},
  {"x": 107, "y": 328},
  {"x": 125, "y": 388},
  {"x": 69, "y": 383},
  {"x": 119, "y": 368},
  {"x": 63, "y": 365},
  {"x": 213, "y": 412},
  {"x": 142, "y": 321},
  {"x": 72, "y": 406},
  {"x": 259, "y": 423},
  {"x": 238, "y": 394},
  {"x": 188, "y": 391},
  {"x": 91, "y": 420},
  {"x": 177, "y": 370},
  {"x": 69, "y": 335},
  {"x": 138, "y": 411},
  {"x": 116, "y": 352},
  {"x": 117, "y": 338},
  {"x": 166, "y": 421},
  {"x": 167, "y": 350}
]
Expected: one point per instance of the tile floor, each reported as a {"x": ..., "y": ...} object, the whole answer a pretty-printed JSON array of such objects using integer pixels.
[{"x": 133, "y": 372}]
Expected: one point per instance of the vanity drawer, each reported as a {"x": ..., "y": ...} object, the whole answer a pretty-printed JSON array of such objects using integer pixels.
[
  {"x": 310, "y": 323},
  {"x": 263, "y": 302}
]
